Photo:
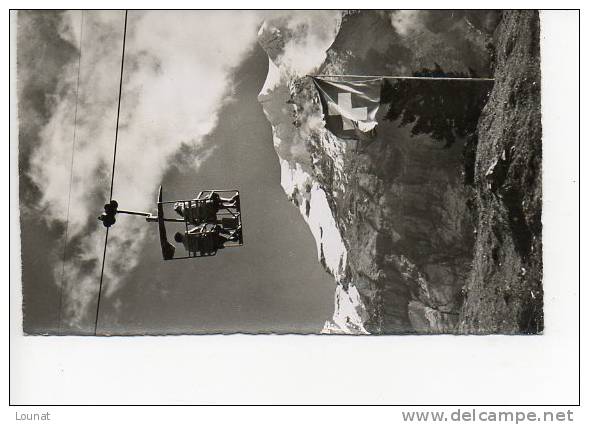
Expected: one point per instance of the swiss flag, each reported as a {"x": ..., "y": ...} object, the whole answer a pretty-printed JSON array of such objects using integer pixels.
[{"x": 349, "y": 107}]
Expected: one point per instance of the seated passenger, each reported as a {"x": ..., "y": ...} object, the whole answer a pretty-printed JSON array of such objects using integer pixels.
[
  {"x": 197, "y": 211},
  {"x": 203, "y": 210},
  {"x": 220, "y": 202},
  {"x": 206, "y": 238}
]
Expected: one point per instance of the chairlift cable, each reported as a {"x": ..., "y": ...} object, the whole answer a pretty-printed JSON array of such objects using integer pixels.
[
  {"x": 67, "y": 219},
  {"x": 114, "y": 159}
]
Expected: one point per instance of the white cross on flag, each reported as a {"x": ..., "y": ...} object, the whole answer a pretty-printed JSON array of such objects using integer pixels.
[{"x": 349, "y": 107}]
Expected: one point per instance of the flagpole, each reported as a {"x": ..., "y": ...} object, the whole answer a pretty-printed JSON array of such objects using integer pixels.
[{"x": 394, "y": 77}]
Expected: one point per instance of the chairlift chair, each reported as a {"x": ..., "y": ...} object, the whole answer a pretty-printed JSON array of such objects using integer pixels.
[{"x": 228, "y": 217}]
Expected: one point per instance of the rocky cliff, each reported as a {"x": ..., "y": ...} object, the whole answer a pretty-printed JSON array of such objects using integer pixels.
[
  {"x": 504, "y": 288},
  {"x": 393, "y": 217}
]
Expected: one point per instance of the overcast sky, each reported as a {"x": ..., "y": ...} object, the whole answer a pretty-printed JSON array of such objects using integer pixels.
[{"x": 189, "y": 119}]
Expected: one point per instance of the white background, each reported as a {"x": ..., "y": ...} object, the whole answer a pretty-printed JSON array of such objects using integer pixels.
[{"x": 323, "y": 369}]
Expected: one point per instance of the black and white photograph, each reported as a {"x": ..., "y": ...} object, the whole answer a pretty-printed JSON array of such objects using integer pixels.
[
  {"x": 287, "y": 172},
  {"x": 251, "y": 207}
]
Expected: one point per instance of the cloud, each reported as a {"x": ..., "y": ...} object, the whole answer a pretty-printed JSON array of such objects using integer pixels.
[
  {"x": 177, "y": 76},
  {"x": 297, "y": 42},
  {"x": 406, "y": 22},
  {"x": 312, "y": 34}
]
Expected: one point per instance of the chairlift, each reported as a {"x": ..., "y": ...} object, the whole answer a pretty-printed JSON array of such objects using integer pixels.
[{"x": 205, "y": 224}]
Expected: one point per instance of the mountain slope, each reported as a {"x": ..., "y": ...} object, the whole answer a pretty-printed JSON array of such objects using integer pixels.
[
  {"x": 394, "y": 219},
  {"x": 504, "y": 292}
]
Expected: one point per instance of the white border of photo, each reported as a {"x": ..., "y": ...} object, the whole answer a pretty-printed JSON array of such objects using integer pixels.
[{"x": 292, "y": 369}]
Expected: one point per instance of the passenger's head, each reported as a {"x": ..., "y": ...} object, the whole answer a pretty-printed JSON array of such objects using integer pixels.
[{"x": 179, "y": 237}]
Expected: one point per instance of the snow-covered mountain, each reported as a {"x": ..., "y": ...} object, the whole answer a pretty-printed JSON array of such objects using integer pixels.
[{"x": 390, "y": 218}]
